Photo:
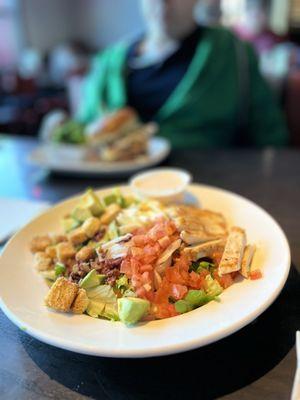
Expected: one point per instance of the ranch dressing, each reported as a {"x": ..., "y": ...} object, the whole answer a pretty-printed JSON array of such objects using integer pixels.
[{"x": 161, "y": 184}]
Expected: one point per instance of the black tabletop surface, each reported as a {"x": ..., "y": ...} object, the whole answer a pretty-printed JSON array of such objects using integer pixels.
[{"x": 257, "y": 362}]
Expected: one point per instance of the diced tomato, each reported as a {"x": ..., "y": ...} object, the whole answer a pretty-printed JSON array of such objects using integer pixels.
[
  {"x": 137, "y": 252},
  {"x": 256, "y": 274},
  {"x": 178, "y": 291},
  {"x": 225, "y": 281},
  {"x": 146, "y": 267},
  {"x": 136, "y": 281},
  {"x": 164, "y": 311},
  {"x": 126, "y": 267},
  {"x": 162, "y": 294},
  {"x": 183, "y": 262},
  {"x": 135, "y": 266},
  {"x": 216, "y": 257},
  {"x": 196, "y": 281},
  {"x": 173, "y": 275},
  {"x": 141, "y": 292},
  {"x": 150, "y": 296},
  {"x": 146, "y": 277},
  {"x": 157, "y": 249},
  {"x": 170, "y": 228},
  {"x": 140, "y": 240},
  {"x": 149, "y": 250},
  {"x": 164, "y": 242}
]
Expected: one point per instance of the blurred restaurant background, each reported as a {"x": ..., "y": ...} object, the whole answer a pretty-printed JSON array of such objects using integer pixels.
[{"x": 46, "y": 48}]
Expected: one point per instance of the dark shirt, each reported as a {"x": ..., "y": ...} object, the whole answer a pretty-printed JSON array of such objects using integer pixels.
[{"x": 148, "y": 88}]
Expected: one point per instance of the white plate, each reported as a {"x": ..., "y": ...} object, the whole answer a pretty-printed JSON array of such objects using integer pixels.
[
  {"x": 22, "y": 291},
  {"x": 159, "y": 149}
]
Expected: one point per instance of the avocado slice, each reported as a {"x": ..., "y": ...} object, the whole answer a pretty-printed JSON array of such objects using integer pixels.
[
  {"x": 90, "y": 201},
  {"x": 110, "y": 199},
  {"x": 68, "y": 224},
  {"x": 81, "y": 214},
  {"x": 132, "y": 309},
  {"x": 92, "y": 279}
]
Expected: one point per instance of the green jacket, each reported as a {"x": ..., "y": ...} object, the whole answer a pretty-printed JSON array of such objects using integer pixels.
[{"x": 222, "y": 93}]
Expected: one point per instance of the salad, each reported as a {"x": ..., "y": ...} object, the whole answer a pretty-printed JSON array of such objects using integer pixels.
[{"x": 122, "y": 258}]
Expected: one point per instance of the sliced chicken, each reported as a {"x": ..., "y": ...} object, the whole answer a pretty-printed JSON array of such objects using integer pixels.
[
  {"x": 233, "y": 252},
  {"x": 119, "y": 239},
  {"x": 169, "y": 251},
  {"x": 205, "y": 249},
  {"x": 196, "y": 225},
  {"x": 165, "y": 259},
  {"x": 247, "y": 260}
]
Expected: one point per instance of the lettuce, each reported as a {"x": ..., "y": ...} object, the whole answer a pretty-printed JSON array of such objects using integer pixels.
[
  {"x": 103, "y": 302},
  {"x": 112, "y": 231},
  {"x": 122, "y": 283}
]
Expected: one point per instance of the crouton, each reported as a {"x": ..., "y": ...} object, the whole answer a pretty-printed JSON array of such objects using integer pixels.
[
  {"x": 80, "y": 303},
  {"x": 61, "y": 295},
  {"x": 65, "y": 251},
  {"x": 84, "y": 254},
  {"x": 91, "y": 226},
  {"x": 40, "y": 243},
  {"x": 42, "y": 262},
  {"x": 110, "y": 214},
  {"x": 78, "y": 236},
  {"x": 51, "y": 252},
  {"x": 59, "y": 238}
]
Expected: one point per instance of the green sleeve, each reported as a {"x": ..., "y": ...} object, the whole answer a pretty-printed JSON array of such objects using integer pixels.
[
  {"x": 92, "y": 102},
  {"x": 267, "y": 126},
  {"x": 104, "y": 89}
]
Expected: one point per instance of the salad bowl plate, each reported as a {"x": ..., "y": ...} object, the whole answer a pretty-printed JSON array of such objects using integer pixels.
[{"x": 22, "y": 290}]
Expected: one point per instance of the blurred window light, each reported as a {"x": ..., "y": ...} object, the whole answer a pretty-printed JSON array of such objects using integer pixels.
[
  {"x": 9, "y": 33},
  {"x": 232, "y": 11}
]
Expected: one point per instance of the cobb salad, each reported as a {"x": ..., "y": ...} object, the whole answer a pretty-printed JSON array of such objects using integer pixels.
[{"x": 123, "y": 258}]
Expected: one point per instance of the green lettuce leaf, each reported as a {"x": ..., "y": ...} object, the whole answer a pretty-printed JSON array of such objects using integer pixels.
[{"x": 103, "y": 302}]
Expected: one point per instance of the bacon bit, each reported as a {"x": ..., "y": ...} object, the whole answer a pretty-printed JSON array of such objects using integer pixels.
[{"x": 255, "y": 275}]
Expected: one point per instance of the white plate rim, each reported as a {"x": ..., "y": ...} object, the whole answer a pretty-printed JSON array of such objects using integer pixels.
[
  {"x": 102, "y": 168},
  {"x": 166, "y": 350}
]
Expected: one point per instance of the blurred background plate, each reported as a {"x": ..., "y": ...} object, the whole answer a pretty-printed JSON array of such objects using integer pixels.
[{"x": 159, "y": 149}]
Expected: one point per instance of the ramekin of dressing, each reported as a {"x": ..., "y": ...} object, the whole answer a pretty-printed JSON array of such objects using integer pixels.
[{"x": 164, "y": 184}]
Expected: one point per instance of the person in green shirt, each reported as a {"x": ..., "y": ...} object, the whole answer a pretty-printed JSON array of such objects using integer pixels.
[{"x": 201, "y": 84}]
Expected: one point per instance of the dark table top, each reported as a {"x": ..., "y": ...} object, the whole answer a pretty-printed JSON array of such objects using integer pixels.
[{"x": 258, "y": 362}]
